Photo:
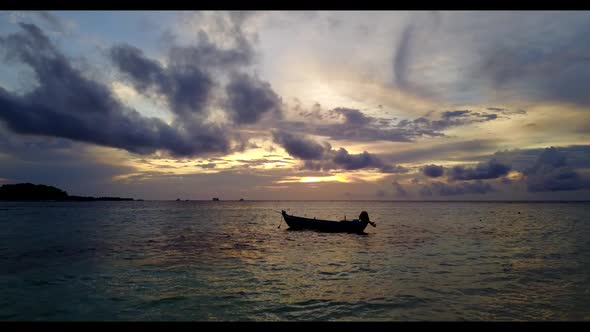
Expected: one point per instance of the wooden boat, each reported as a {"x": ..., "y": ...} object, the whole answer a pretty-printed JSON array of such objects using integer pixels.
[{"x": 343, "y": 226}]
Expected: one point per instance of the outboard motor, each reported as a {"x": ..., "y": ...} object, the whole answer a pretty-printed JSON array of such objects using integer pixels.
[{"x": 364, "y": 216}]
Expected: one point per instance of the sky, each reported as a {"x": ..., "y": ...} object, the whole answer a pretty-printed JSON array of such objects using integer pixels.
[{"x": 276, "y": 105}]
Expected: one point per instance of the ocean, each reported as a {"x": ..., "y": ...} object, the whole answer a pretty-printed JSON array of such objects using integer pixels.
[{"x": 230, "y": 261}]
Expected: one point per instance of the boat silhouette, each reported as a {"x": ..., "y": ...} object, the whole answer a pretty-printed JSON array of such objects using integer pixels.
[{"x": 343, "y": 226}]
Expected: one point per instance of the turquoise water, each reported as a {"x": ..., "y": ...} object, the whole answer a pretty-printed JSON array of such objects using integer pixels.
[{"x": 229, "y": 261}]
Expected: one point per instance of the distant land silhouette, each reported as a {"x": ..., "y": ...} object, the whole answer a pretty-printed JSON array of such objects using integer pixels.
[{"x": 40, "y": 192}]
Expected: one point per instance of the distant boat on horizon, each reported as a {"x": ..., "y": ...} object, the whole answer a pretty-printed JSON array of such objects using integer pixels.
[{"x": 215, "y": 199}]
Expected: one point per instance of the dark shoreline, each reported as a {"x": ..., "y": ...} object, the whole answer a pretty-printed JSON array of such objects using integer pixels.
[
  {"x": 29, "y": 192},
  {"x": 74, "y": 199}
]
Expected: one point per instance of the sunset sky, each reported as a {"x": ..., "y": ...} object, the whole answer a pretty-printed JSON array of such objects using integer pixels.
[{"x": 298, "y": 105}]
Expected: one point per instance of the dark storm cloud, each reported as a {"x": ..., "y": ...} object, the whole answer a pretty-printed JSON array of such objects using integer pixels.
[
  {"x": 342, "y": 159},
  {"x": 321, "y": 157},
  {"x": 369, "y": 133},
  {"x": 187, "y": 80},
  {"x": 551, "y": 172},
  {"x": 144, "y": 73},
  {"x": 67, "y": 104},
  {"x": 452, "y": 114},
  {"x": 449, "y": 119},
  {"x": 250, "y": 98},
  {"x": 298, "y": 146},
  {"x": 207, "y": 54},
  {"x": 360, "y": 127},
  {"x": 444, "y": 189},
  {"x": 385, "y": 168},
  {"x": 433, "y": 171},
  {"x": 311, "y": 165},
  {"x": 353, "y": 117},
  {"x": 490, "y": 170},
  {"x": 577, "y": 156},
  {"x": 348, "y": 161},
  {"x": 185, "y": 87}
]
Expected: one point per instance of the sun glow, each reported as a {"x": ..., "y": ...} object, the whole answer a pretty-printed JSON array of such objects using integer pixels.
[{"x": 313, "y": 179}]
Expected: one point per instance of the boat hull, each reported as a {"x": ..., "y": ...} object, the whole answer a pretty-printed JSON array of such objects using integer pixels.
[{"x": 352, "y": 226}]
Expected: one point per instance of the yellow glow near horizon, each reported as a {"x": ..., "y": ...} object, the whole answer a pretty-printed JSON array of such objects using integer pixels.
[
  {"x": 515, "y": 175},
  {"x": 313, "y": 179}
]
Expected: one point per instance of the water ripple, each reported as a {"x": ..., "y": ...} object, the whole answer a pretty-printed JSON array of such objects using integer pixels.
[{"x": 229, "y": 261}]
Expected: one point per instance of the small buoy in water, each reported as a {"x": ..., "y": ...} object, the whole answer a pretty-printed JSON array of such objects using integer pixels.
[{"x": 518, "y": 212}]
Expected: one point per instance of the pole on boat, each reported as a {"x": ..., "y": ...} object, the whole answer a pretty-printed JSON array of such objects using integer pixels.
[{"x": 281, "y": 218}]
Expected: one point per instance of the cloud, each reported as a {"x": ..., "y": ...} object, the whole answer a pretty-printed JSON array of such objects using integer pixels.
[
  {"x": 490, "y": 170},
  {"x": 401, "y": 58},
  {"x": 392, "y": 169},
  {"x": 467, "y": 58},
  {"x": 298, "y": 146},
  {"x": 58, "y": 162},
  {"x": 186, "y": 87},
  {"x": 416, "y": 33},
  {"x": 551, "y": 172},
  {"x": 207, "y": 166},
  {"x": 433, "y": 171},
  {"x": 353, "y": 117},
  {"x": 207, "y": 54},
  {"x": 546, "y": 58},
  {"x": 187, "y": 81},
  {"x": 249, "y": 98},
  {"x": 399, "y": 189},
  {"x": 53, "y": 21},
  {"x": 341, "y": 159},
  {"x": 360, "y": 127},
  {"x": 548, "y": 72},
  {"x": 322, "y": 157},
  {"x": 355, "y": 161},
  {"x": 67, "y": 104},
  {"x": 449, "y": 119},
  {"x": 577, "y": 156},
  {"x": 223, "y": 39},
  {"x": 434, "y": 151},
  {"x": 504, "y": 111},
  {"x": 444, "y": 189}
]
